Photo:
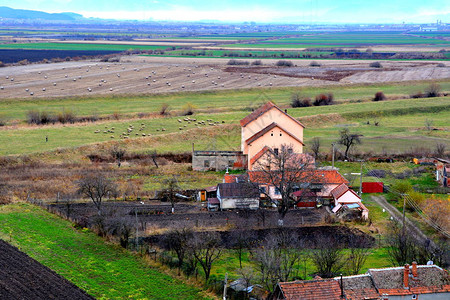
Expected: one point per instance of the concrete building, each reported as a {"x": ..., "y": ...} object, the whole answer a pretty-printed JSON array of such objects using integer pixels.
[{"x": 218, "y": 160}]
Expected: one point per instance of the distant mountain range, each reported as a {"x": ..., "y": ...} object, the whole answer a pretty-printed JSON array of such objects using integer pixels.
[{"x": 24, "y": 14}]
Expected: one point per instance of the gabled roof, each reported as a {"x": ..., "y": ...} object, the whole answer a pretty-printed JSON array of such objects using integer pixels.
[
  {"x": 238, "y": 190},
  {"x": 320, "y": 289},
  {"x": 339, "y": 190},
  {"x": 261, "y": 110},
  {"x": 266, "y": 130},
  {"x": 430, "y": 279},
  {"x": 359, "y": 287},
  {"x": 259, "y": 155}
]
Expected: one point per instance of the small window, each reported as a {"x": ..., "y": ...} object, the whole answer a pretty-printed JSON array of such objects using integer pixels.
[
  {"x": 414, "y": 297},
  {"x": 206, "y": 163},
  {"x": 275, "y": 150},
  {"x": 290, "y": 151},
  {"x": 277, "y": 191},
  {"x": 271, "y": 134},
  {"x": 262, "y": 189},
  {"x": 281, "y": 134}
]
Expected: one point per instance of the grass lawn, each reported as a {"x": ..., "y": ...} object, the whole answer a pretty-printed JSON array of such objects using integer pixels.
[{"x": 105, "y": 271}]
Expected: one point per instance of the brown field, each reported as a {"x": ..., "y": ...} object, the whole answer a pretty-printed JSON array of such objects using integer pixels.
[{"x": 134, "y": 75}]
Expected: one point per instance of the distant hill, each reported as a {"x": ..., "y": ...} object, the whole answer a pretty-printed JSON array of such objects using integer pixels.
[{"x": 11, "y": 13}]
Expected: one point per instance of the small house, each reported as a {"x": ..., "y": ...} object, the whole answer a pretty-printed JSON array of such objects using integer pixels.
[
  {"x": 346, "y": 200},
  {"x": 240, "y": 195}
]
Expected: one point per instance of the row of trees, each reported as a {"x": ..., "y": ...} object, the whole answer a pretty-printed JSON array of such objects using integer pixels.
[{"x": 281, "y": 256}]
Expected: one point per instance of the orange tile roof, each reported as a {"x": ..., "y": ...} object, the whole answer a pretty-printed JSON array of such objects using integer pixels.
[
  {"x": 258, "y": 155},
  {"x": 261, "y": 110},
  {"x": 316, "y": 176},
  {"x": 321, "y": 289}
]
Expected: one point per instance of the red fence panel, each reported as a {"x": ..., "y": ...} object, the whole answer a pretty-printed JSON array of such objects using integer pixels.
[{"x": 372, "y": 187}]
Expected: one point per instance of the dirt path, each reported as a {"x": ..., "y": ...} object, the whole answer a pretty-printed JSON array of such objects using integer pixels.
[{"x": 398, "y": 217}]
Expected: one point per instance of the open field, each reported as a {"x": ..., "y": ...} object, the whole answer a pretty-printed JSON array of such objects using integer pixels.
[
  {"x": 83, "y": 46},
  {"x": 151, "y": 75},
  {"x": 103, "y": 270},
  {"x": 401, "y": 125}
]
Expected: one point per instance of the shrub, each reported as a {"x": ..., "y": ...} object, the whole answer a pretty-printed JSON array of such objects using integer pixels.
[
  {"x": 284, "y": 63},
  {"x": 323, "y": 99},
  {"x": 379, "y": 96},
  {"x": 66, "y": 116},
  {"x": 314, "y": 64},
  {"x": 441, "y": 65},
  {"x": 237, "y": 62},
  {"x": 417, "y": 95},
  {"x": 164, "y": 110},
  {"x": 375, "y": 64},
  {"x": 188, "y": 109},
  {"x": 433, "y": 90},
  {"x": 257, "y": 63},
  {"x": 296, "y": 101}
]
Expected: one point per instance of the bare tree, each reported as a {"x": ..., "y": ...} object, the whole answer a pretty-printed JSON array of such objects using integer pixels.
[
  {"x": 153, "y": 155},
  {"x": 286, "y": 172},
  {"x": 359, "y": 251},
  {"x": 440, "y": 150},
  {"x": 170, "y": 190},
  {"x": 96, "y": 187},
  {"x": 315, "y": 147},
  {"x": 327, "y": 257},
  {"x": 240, "y": 240},
  {"x": 401, "y": 246},
  {"x": 177, "y": 240},
  {"x": 123, "y": 228},
  {"x": 247, "y": 274},
  {"x": 277, "y": 258},
  {"x": 348, "y": 140},
  {"x": 429, "y": 124},
  {"x": 206, "y": 249},
  {"x": 118, "y": 154}
]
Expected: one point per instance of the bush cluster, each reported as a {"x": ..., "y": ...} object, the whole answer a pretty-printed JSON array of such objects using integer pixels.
[
  {"x": 379, "y": 96},
  {"x": 323, "y": 99},
  {"x": 235, "y": 62},
  {"x": 284, "y": 63},
  {"x": 64, "y": 117}
]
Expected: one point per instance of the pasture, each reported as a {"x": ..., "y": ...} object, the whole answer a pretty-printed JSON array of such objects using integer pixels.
[{"x": 105, "y": 271}]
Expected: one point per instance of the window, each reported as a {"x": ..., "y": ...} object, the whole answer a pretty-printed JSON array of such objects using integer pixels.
[
  {"x": 290, "y": 151},
  {"x": 263, "y": 189},
  {"x": 271, "y": 134},
  {"x": 281, "y": 134},
  {"x": 206, "y": 163},
  {"x": 275, "y": 150},
  {"x": 230, "y": 163},
  {"x": 277, "y": 191}
]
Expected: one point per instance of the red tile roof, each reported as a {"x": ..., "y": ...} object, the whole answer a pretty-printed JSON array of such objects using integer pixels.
[
  {"x": 258, "y": 155},
  {"x": 260, "y": 111},
  {"x": 322, "y": 289},
  {"x": 266, "y": 130},
  {"x": 340, "y": 190},
  {"x": 315, "y": 176}
]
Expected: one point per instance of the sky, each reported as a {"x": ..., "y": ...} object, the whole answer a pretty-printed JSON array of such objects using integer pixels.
[{"x": 262, "y": 11}]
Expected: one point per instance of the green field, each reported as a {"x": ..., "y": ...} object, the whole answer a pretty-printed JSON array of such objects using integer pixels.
[
  {"x": 401, "y": 126},
  {"x": 103, "y": 270},
  {"x": 81, "y": 46},
  {"x": 345, "y": 39},
  {"x": 246, "y": 54}
]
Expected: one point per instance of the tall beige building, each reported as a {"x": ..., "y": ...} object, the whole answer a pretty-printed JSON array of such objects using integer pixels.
[{"x": 269, "y": 127}]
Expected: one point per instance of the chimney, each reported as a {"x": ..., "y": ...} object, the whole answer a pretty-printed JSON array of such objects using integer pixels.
[
  {"x": 414, "y": 269},
  {"x": 406, "y": 277}
]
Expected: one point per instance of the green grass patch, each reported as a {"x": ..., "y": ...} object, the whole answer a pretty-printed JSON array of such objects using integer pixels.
[
  {"x": 81, "y": 46},
  {"x": 105, "y": 271}
]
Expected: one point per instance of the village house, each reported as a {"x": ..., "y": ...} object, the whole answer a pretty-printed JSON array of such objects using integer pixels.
[
  {"x": 421, "y": 282},
  {"x": 238, "y": 195},
  {"x": 346, "y": 200},
  {"x": 269, "y": 127}
]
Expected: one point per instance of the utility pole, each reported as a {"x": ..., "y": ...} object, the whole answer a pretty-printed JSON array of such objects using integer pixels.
[
  {"x": 225, "y": 287},
  {"x": 404, "y": 206},
  {"x": 332, "y": 162},
  {"x": 360, "y": 180}
]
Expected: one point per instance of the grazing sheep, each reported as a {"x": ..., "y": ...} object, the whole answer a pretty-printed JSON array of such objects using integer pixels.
[
  {"x": 110, "y": 89},
  {"x": 2, "y": 88},
  {"x": 45, "y": 77},
  {"x": 7, "y": 77},
  {"x": 89, "y": 90},
  {"x": 79, "y": 77},
  {"x": 54, "y": 83},
  {"x": 181, "y": 128},
  {"x": 100, "y": 84},
  {"x": 66, "y": 75},
  {"x": 31, "y": 93},
  {"x": 39, "y": 72},
  {"x": 43, "y": 89},
  {"x": 74, "y": 79},
  {"x": 148, "y": 83},
  {"x": 182, "y": 86},
  {"x": 146, "y": 77},
  {"x": 193, "y": 81},
  {"x": 179, "y": 121},
  {"x": 26, "y": 90},
  {"x": 118, "y": 75},
  {"x": 12, "y": 79},
  {"x": 154, "y": 80},
  {"x": 112, "y": 136},
  {"x": 163, "y": 129}
]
